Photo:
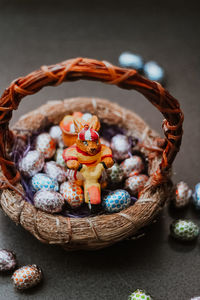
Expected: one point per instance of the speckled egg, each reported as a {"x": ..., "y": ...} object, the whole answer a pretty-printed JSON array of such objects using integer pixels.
[
  {"x": 55, "y": 171},
  {"x": 139, "y": 295},
  {"x": 183, "y": 195},
  {"x": 59, "y": 157},
  {"x": 8, "y": 260},
  {"x": 56, "y": 133},
  {"x": 130, "y": 60},
  {"x": 72, "y": 193},
  {"x": 135, "y": 184},
  {"x": 120, "y": 147},
  {"x": 46, "y": 144},
  {"x": 27, "y": 277},
  {"x": 115, "y": 174},
  {"x": 41, "y": 181},
  {"x": 196, "y": 196},
  {"x": 153, "y": 71},
  {"x": 116, "y": 200},
  {"x": 185, "y": 230},
  {"x": 48, "y": 201},
  {"x": 132, "y": 166},
  {"x": 31, "y": 163}
]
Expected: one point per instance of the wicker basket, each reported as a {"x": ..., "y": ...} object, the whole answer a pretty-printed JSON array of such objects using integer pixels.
[{"x": 102, "y": 230}]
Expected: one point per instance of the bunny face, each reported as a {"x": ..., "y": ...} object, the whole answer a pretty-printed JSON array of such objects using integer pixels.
[{"x": 90, "y": 147}]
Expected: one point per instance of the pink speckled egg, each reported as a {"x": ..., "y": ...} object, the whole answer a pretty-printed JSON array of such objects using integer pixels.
[
  {"x": 132, "y": 166},
  {"x": 8, "y": 260},
  {"x": 54, "y": 171},
  {"x": 136, "y": 183},
  {"x": 183, "y": 195},
  {"x": 72, "y": 193},
  {"x": 31, "y": 163},
  {"x": 49, "y": 201},
  {"x": 46, "y": 144},
  {"x": 27, "y": 277},
  {"x": 120, "y": 147}
]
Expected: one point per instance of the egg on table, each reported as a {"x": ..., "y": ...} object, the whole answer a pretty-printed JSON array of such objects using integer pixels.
[
  {"x": 183, "y": 195},
  {"x": 185, "y": 230},
  {"x": 196, "y": 196},
  {"x": 8, "y": 260},
  {"x": 139, "y": 295},
  {"x": 48, "y": 201},
  {"x": 116, "y": 201},
  {"x": 72, "y": 193},
  {"x": 27, "y": 277},
  {"x": 46, "y": 144},
  {"x": 42, "y": 181}
]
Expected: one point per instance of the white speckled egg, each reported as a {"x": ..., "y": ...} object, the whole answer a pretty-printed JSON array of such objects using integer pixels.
[
  {"x": 72, "y": 193},
  {"x": 130, "y": 60},
  {"x": 8, "y": 260},
  {"x": 41, "y": 181},
  {"x": 140, "y": 295},
  {"x": 56, "y": 133},
  {"x": 46, "y": 144},
  {"x": 31, "y": 163},
  {"x": 196, "y": 196},
  {"x": 115, "y": 174},
  {"x": 116, "y": 200},
  {"x": 183, "y": 195},
  {"x": 153, "y": 71},
  {"x": 136, "y": 183},
  {"x": 59, "y": 158},
  {"x": 132, "y": 166},
  {"x": 48, "y": 201},
  {"x": 55, "y": 171},
  {"x": 185, "y": 230},
  {"x": 27, "y": 277},
  {"x": 120, "y": 147},
  {"x": 86, "y": 116}
]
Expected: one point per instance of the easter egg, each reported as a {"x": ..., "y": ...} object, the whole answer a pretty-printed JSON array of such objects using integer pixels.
[
  {"x": 120, "y": 147},
  {"x": 130, "y": 60},
  {"x": 116, "y": 200},
  {"x": 185, "y": 230},
  {"x": 56, "y": 133},
  {"x": 55, "y": 171},
  {"x": 72, "y": 193},
  {"x": 195, "y": 298},
  {"x": 183, "y": 195},
  {"x": 31, "y": 163},
  {"x": 27, "y": 277},
  {"x": 48, "y": 201},
  {"x": 41, "y": 181},
  {"x": 59, "y": 157},
  {"x": 115, "y": 174},
  {"x": 8, "y": 260},
  {"x": 86, "y": 116},
  {"x": 135, "y": 184},
  {"x": 132, "y": 166},
  {"x": 46, "y": 144},
  {"x": 153, "y": 71},
  {"x": 196, "y": 196},
  {"x": 139, "y": 295}
]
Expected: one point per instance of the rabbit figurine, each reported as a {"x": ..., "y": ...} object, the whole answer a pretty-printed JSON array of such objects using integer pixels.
[{"x": 89, "y": 157}]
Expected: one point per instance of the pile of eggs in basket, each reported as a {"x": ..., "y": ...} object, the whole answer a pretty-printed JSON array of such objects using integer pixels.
[{"x": 56, "y": 189}]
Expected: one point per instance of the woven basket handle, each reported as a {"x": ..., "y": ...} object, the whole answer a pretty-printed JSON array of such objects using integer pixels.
[{"x": 84, "y": 68}]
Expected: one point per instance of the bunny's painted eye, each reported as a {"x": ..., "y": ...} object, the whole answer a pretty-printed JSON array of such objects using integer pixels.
[{"x": 85, "y": 143}]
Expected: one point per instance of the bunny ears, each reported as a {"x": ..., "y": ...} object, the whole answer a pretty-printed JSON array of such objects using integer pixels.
[{"x": 87, "y": 131}]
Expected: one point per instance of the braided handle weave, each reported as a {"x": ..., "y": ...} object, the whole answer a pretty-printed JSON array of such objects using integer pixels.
[{"x": 84, "y": 68}]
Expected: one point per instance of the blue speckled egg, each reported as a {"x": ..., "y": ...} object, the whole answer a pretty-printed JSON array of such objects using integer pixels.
[
  {"x": 116, "y": 200},
  {"x": 196, "y": 196},
  {"x": 41, "y": 181},
  {"x": 153, "y": 71},
  {"x": 130, "y": 60}
]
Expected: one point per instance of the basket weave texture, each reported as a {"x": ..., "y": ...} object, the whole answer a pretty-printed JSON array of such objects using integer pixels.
[{"x": 103, "y": 230}]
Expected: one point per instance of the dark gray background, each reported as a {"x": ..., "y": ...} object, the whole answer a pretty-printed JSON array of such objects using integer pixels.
[{"x": 34, "y": 33}]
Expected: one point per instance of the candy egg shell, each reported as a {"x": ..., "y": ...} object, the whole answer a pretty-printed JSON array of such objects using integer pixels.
[
  {"x": 135, "y": 184},
  {"x": 115, "y": 174},
  {"x": 27, "y": 277},
  {"x": 116, "y": 201},
  {"x": 72, "y": 193},
  {"x": 132, "y": 166},
  {"x": 120, "y": 147},
  {"x": 130, "y": 60},
  {"x": 153, "y": 71},
  {"x": 54, "y": 171},
  {"x": 42, "y": 181},
  {"x": 56, "y": 133},
  {"x": 31, "y": 163},
  {"x": 59, "y": 158},
  {"x": 185, "y": 230},
  {"x": 48, "y": 201},
  {"x": 46, "y": 144},
  {"x": 139, "y": 295},
  {"x": 8, "y": 260},
  {"x": 183, "y": 195},
  {"x": 196, "y": 196}
]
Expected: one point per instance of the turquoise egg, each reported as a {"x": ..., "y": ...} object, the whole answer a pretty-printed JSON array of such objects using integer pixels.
[
  {"x": 196, "y": 196},
  {"x": 153, "y": 71},
  {"x": 185, "y": 230},
  {"x": 116, "y": 200},
  {"x": 139, "y": 295},
  {"x": 41, "y": 181},
  {"x": 130, "y": 60}
]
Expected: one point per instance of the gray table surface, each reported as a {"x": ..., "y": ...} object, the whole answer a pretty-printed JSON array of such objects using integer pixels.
[{"x": 34, "y": 33}]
